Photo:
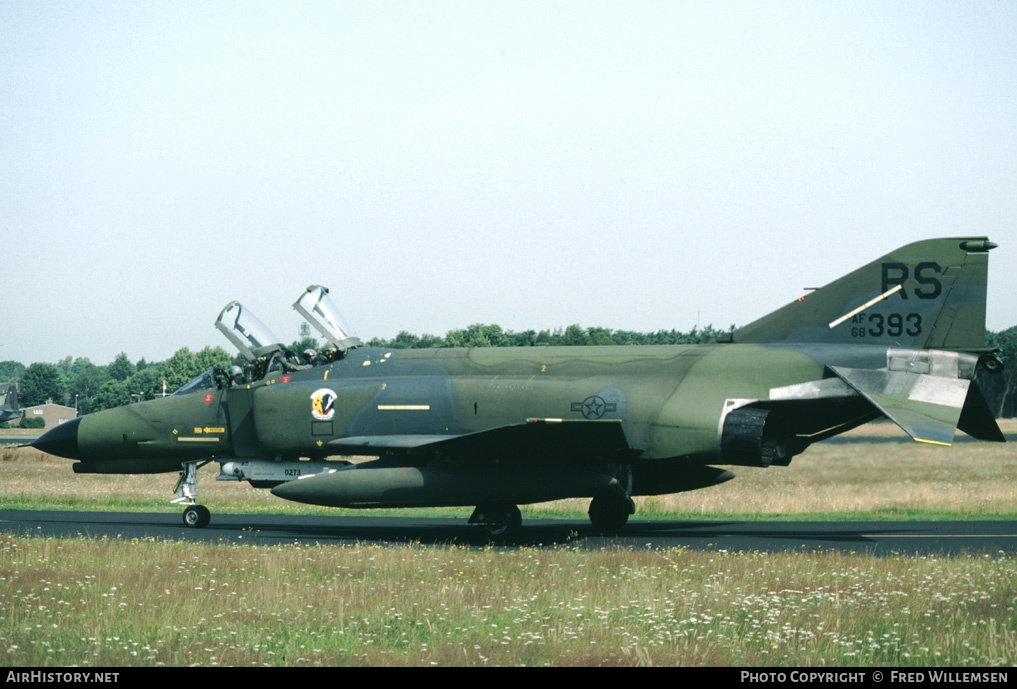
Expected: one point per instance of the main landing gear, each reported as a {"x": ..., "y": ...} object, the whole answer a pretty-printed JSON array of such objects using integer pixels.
[
  {"x": 610, "y": 510},
  {"x": 499, "y": 522},
  {"x": 195, "y": 516}
]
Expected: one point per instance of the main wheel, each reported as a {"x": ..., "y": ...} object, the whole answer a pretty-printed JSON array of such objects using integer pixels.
[
  {"x": 610, "y": 510},
  {"x": 197, "y": 516},
  {"x": 502, "y": 522}
]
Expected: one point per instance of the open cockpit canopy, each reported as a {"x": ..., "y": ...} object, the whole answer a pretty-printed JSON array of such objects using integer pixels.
[
  {"x": 320, "y": 311},
  {"x": 246, "y": 332}
]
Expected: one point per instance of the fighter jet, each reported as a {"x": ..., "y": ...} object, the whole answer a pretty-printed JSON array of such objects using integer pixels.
[
  {"x": 493, "y": 428},
  {"x": 9, "y": 402}
]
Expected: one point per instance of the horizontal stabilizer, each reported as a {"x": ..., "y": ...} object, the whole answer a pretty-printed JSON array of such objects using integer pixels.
[
  {"x": 562, "y": 440},
  {"x": 926, "y": 407}
]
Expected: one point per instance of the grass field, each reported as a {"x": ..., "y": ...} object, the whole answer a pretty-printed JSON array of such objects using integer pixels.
[
  {"x": 114, "y": 603},
  {"x": 141, "y": 603}
]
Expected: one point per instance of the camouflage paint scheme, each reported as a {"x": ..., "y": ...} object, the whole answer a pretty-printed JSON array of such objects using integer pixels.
[
  {"x": 496, "y": 427},
  {"x": 9, "y": 402}
]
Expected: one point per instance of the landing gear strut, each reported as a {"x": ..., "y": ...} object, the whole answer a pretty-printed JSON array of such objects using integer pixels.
[
  {"x": 195, "y": 516},
  {"x": 610, "y": 510},
  {"x": 499, "y": 522}
]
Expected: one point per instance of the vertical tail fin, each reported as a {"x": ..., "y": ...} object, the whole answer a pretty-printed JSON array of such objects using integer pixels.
[
  {"x": 9, "y": 402},
  {"x": 926, "y": 295}
]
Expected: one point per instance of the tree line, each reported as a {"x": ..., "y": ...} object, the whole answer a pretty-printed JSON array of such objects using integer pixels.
[
  {"x": 480, "y": 335},
  {"x": 91, "y": 387}
]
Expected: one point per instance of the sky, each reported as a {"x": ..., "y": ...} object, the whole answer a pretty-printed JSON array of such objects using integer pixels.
[{"x": 631, "y": 165}]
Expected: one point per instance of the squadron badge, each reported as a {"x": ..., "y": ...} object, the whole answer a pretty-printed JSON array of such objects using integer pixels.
[{"x": 323, "y": 404}]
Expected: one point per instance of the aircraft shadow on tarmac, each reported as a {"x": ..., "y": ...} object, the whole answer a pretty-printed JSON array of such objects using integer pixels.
[{"x": 540, "y": 533}]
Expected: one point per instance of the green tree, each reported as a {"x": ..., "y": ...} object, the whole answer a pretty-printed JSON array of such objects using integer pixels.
[
  {"x": 626, "y": 337},
  {"x": 496, "y": 336},
  {"x": 477, "y": 335},
  {"x": 185, "y": 365},
  {"x": 1000, "y": 389},
  {"x": 404, "y": 340},
  {"x": 527, "y": 338},
  {"x": 212, "y": 357},
  {"x": 407, "y": 340},
  {"x": 300, "y": 345},
  {"x": 599, "y": 336},
  {"x": 113, "y": 393},
  {"x": 146, "y": 383},
  {"x": 41, "y": 382},
  {"x": 575, "y": 336},
  {"x": 121, "y": 369},
  {"x": 179, "y": 368},
  {"x": 85, "y": 384},
  {"x": 80, "y": 364},
  {"x": 11, "y": 371},
  {"x": 455, "y": 338}
]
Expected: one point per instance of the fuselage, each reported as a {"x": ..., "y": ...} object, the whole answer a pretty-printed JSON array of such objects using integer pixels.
[{"x": 671, "y": 400}]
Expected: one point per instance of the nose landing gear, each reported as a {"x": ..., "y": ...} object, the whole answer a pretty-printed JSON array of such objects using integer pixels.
[{"x": 195, "y": 516}]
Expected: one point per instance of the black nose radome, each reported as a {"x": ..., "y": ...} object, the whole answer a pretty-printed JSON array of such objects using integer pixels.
[{"x": 61, "y": 441}]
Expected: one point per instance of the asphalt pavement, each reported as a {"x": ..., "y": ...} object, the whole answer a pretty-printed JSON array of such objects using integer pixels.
[{"x": 872, "y": 537}]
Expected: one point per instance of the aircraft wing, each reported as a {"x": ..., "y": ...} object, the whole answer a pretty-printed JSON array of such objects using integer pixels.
[{"x": 535, "y": 439}]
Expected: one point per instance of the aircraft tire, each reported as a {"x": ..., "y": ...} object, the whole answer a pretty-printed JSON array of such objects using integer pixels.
[
  {"x": 505, "y": 528},
  {"x": 610, "y": 511},
  {"x": 197, "y": 517}
]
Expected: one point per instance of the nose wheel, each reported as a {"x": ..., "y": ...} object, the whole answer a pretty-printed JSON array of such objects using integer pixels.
[{"x": 196, "y": 516}]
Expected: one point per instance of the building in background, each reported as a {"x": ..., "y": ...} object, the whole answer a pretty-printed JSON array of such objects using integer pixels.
[{"x": 51, "y": 414}]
